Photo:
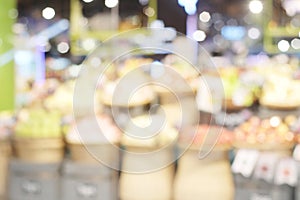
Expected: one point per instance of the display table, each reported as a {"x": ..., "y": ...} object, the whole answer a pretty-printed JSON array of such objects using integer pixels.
[
  {"x": 5, "y": 152},
  {"x": 156, "y": 184},
  {"x": 209, "y": 178}
]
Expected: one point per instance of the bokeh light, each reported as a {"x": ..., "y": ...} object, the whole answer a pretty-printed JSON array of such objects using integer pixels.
[
  {"x": 283, "y": 45},
  {"x": 88, "y": 1},
  {"x": 48, "y": 13},
  {"x": 199, "y": 35},
  {"x": 296, "y": 43},
  {"x": 256, "y": 6},
  {"x": 204, "y": 16},
  {"x": 63, "y": 47},
  {"x": 111, "y": 3},
  {"x": 254, "y": 33}
]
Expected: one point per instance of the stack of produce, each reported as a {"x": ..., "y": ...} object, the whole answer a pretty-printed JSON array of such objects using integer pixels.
[
  {"x": 281, "y": 96},
  {"x": 195, "y": 169},
  {"x": 40, "y": 91},
  {"x": 62, "y": 98},
  {"x": 241, "y": 87},
  {"x": 38, "y": 136},
  {"x": 280, "y": 85},
  {"x": 216, "y": 136},
  {"x": 272, "y": 133},
  {"x": 184, "y": 68}
]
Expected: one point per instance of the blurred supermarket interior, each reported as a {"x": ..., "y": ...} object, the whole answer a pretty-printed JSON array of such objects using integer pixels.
[{"x": 150, "y": 99}]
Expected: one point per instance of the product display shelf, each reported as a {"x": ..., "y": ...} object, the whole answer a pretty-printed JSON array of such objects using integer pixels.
[
  {"x": 5, "y": 154},
  {"x": 33, "y": 181},
  {"x": 94, "y": 153},
  {"x": 91, "y": 181},
  {"x": 264, "y": 174},
  {"x": 43, "y": 150},
  {"x": 257, "y": 167}
]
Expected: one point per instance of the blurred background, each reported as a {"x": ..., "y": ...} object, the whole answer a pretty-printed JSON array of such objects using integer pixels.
[{"x": 245, "y": 51}]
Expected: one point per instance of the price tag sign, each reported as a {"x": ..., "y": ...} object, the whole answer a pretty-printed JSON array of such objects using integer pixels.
[
  {"x": 266, "y": 165},
  {"x": 245, "y": 161},
  {"x": 86, "y": 190},
  {"x": 261, "y": 197},
  {"x": 31, "y": 187},
  {"x": 286, "y": 172}
]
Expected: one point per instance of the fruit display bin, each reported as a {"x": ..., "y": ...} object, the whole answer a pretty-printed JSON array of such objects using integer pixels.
[
  {"x": 5, "y": 153},
  {"x": 44, "y": 150},
  {"x": 147, "y": 177},
  {"x": 201, "y": 178},
  {"x": 107, "y": 154}
]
